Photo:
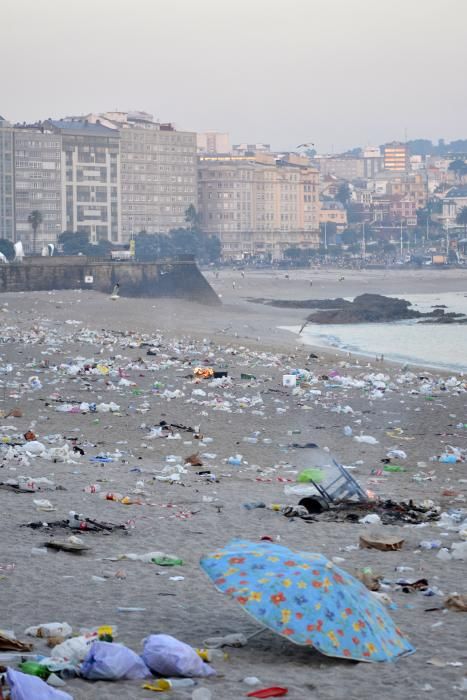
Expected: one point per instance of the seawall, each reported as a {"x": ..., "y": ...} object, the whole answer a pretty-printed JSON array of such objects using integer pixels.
[{"x": 172, "y": 278}]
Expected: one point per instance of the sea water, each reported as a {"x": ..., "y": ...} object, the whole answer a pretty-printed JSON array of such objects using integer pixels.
[{"x": 430, "y": 345}]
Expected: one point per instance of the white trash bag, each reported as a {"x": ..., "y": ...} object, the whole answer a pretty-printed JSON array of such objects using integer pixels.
[
  {"x": 168, "y": 656},
  {"x": 107, "y": 661}
]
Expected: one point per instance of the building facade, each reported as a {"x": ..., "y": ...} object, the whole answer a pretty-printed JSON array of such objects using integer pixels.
[
  {"x": 158, "y": 177},
  {"x": 259, "y": 205},
  {"x": 333, "y": 213},
  {"x": 90, "y": 179},
  {"x": 213, "y": 142},
  {"x": 453, "y": 201},
  {"x": 396, "y": 157},
  {"x": 349, "y": 167},
  {"x": 7, "y": 181},
  {"x": 37, "y": 155}
]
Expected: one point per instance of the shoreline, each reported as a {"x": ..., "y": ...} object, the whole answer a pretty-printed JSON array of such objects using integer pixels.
[{"x": 390, "y": 361}]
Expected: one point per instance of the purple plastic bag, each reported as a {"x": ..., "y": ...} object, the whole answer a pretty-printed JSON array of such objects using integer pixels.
[
  {"x": 168, "y": 656},
  {"x": 107, "y": 661},
  {"x": 26, "y": 687}
]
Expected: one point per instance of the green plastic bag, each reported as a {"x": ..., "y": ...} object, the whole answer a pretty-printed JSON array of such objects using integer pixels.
[{"x": 307, "y": 475}]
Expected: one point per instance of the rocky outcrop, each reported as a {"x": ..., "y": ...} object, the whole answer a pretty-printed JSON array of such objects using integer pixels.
[
  {"x": 366, "y": 308},
  {"x": 376, "y": 308}
]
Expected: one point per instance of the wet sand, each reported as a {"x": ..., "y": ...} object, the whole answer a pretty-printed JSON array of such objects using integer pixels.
[{"x": 203, "y": 515}]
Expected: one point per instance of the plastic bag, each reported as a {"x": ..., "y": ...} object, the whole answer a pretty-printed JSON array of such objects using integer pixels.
[
  {"x": 25, "y": 687},
  {"x": 170, "y": 657},
  {"x": 74, "y": 650},
  {"x": 50, "y": 629},
  {"x": 107, "y": 661}
]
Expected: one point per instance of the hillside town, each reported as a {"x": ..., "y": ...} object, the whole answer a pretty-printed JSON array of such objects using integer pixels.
[{"x": 120, "y": 182}]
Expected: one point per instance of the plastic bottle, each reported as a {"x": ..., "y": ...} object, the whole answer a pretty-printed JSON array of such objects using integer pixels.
[
  {"x": 209, "y": 655},
  {"x": 430, "y": 544},
  {"x": 32, "y": 668},
  {"x": 254, "y": 504},
  {"x": 173, "y": 683}
]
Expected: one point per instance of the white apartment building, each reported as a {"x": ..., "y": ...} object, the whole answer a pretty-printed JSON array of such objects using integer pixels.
[
  {"x": 158, "y": 175},
  {"x": 37, "y": 156},
  {"x": 7, "y": 181},
  {"x": 90, "y": 178}
]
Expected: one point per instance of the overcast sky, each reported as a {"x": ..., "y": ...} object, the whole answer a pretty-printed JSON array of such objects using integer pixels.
[{"x": 340, "y": 73}]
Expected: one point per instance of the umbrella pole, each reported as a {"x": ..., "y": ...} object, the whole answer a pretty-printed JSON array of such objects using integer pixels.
[{"x": 257, "y": 633}]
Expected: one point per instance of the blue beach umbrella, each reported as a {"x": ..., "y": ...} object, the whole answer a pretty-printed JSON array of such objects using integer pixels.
[{"x": 305, "y": 598}]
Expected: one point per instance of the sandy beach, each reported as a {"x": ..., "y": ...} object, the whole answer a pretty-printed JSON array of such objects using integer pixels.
[{"x": 84, "y": 348}]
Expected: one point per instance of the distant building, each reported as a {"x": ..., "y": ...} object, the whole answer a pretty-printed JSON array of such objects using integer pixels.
[
  {"x": 394, "y": 210},
  {"x": 371, "y": 152},
  {"x": 242, "y": 149},
  {"x": 38, "y": 186},
  {"x": 396, "y": 157},
  {"x": 454, "y": 200},
  {"x": 213, "y": 142},
  {"x": 90, "y": 178},
  {"x": 259, "y": 205},
  {"x": 7, "y": 181},
  {"x": 158, "y": 172},
  {"x": 350, "y": 167},
  {"x": 413, "y": 185},
  {"x": 333, "y": 213}
]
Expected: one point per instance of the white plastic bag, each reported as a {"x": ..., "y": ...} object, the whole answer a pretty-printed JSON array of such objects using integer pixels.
[
  {"x": 26, "y": 687},
  {"x": 50, "y": 629},
  {"x": 168, "y": 656},
  {"x": 368, "y": 439},
  {"x": 107, "y": 661},
  {"x": 73, "y": 650}
]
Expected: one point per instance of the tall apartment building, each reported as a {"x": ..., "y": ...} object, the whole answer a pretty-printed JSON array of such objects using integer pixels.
[
  {"x": 158, "y": 172},
  {"x": 213, "y": 142},
  {"x": 259, "y": 205},
  {"x": 396, "y": 157},
  {"x": 7, "y": 181},
  {"x": 37, "y": 156},
  {"x": 90, "y": 178}
]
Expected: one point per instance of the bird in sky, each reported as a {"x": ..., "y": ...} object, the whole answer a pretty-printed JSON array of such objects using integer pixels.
[{"x": 305, "y": 145}]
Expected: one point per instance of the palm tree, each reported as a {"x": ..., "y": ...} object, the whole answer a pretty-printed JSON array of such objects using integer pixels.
[
  {"x": 461, "y": 218},
  {"x": 35, "y": 219},
  {"x": 192, "y": 217}
]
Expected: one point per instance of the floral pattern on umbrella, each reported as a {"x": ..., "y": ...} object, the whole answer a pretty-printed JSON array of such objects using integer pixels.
[{"x": 307, "y": 599}]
